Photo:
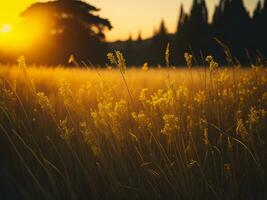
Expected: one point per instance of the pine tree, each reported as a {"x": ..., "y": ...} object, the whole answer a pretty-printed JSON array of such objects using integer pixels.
[
  {"x": 218, "y": 13},
  {"x": 158, "y": 45},
  {"x": 204, "y": 10},
  {"x": 181, "y": 19},
  {"x": 232, "y": 25},
  {"x": 264, "y": 10},
  {"x": 139, "y": 37},
  {"x": 162, "y": 30},
  {"x": 258, "y": 11},
  {"x": 262, "y": 29},
  {"x": 198, "y": 28}
]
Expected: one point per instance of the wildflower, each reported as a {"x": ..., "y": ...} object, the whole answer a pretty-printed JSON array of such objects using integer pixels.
[
  {"x": 112, "y": 58},
  {"x": 203, "y": 123},
  {"x": 183, "y": 92},
  {"x": 117, "y": 61},
  {"x": 192, "y": 163},
  {"x": 120, "y": 108},
  {"x": 143, "y": 95},
  {"x": 213, "y": 66},
  {"x": 22, "y": 61},
  {"x": 188, "y": 59},
  {"x": 145, "y": 67},
  {"x": 253, "y": 116},
  {"x": 71, "y": 59},
  {"x": 167, "y": 55},
  {"x": 45, "y": 103},
  {"x": 171, "y": 124},
  {"x": 200, "y": 97},
  {"x": 65, "y": 131},
  {"x": 121, "y": 62},
  {"x": 206, "y": 136},
  {"x": 241, "y": 129},
  {"x": 89, "y": 138},
  {"x": 66, "y": 93},
  {"x": 143, "y": 122}
]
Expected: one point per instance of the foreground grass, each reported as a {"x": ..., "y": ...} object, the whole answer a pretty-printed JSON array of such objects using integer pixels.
[{"x": 186, "y": 134}]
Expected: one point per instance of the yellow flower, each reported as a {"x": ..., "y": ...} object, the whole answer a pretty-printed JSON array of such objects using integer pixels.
[
  {"x": 171, "y": 125},
  {"x": 121, "y": 62},
  {"x": 167, "y": 55},
  {"x": 117, "y": 61},
  {"x": 145, "y": 67},
  {"x": 188, "y": 58},
  {"x": 213, "y": 66},
  {"x": 71, "y": 59},
  {"x": 200, "y": 97}
]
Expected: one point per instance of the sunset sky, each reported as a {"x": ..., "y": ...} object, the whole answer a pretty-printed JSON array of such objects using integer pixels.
[{"x": 127, "y": 16}]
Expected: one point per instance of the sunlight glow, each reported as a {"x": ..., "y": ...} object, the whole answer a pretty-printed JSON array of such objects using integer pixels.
[
  {"x": 18, "y": 38},
  {"x": 136, "y": 17},
  {"x": 6, "y": 28}
]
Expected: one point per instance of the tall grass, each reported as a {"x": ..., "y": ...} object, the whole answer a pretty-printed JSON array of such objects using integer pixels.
[{"x": 78, "y": 134}]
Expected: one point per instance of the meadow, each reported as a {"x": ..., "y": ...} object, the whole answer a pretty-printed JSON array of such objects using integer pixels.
[{"x": 117, "y": 133}]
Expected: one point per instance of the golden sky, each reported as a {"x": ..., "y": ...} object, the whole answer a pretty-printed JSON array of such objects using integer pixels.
[
  {"x": 127, "y": 16},
  {"x": 10, "y": 9}
]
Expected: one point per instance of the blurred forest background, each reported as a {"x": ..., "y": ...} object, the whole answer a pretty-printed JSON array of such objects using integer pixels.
[{"x": 73, "y": 27}]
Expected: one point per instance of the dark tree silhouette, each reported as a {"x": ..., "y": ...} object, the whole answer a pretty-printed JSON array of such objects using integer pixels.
[
  {"x": 232, "y": 25},
  {"x": 257, "y": 25},
  {"x": 193, "y": 32},
  {"x": 198, "y": 30},
  {"x": 139, "y": 37},
  {"x": 129, "y": 50},
  {"x": 257, "y": 12},
  {"x": 181, "y": 37},
  {"x": 70, "y": 27},
  {"x": 262, "y": 30},
  {"x": 159, "y": 44},
  {"x": 133, "y": 51},
  {"x": 73, "y": 27}
]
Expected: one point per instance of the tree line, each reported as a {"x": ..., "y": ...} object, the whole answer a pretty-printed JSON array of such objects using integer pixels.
[
  {"x": 231, "y": 29},
  {"x": 73, "y": 27}
]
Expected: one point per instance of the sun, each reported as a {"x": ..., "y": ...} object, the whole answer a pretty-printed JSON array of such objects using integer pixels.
[{"x": 6, "y": 28}]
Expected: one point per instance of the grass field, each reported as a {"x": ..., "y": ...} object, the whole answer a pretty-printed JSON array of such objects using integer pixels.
[{"x": 170, "y": 133}]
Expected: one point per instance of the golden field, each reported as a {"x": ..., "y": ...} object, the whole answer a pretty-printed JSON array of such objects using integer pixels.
[{"x": 169, "y": 133}]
